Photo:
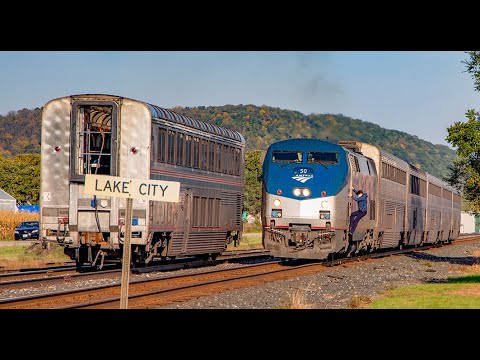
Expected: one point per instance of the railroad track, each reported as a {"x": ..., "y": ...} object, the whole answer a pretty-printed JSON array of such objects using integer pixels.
[
  {"x": 154, "y": 292},
  {"x": 57, "y": 276}
]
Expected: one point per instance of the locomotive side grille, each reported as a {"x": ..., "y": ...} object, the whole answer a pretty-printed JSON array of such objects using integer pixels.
[{"x": 390, "y": 239}]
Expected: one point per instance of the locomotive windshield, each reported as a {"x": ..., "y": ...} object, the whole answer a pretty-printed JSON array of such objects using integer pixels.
[
  {"x": 322, "y": 157},
  {"x": 286, "y": 156}
]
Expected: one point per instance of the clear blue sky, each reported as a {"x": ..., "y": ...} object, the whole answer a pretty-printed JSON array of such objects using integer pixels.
[{"x": 418, "y": 92}]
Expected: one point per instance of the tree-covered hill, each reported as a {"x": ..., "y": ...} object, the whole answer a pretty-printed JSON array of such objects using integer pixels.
[
  {"x": 260, "y": 125},
  {"x": 20, "y": 132}
]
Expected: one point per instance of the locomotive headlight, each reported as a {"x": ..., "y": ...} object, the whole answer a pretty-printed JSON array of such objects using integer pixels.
[
  {"x": 306, "y": 192},
  {"x": 297, "y": 192},
  {"x": 276, "y": 202},
  {"x": 324, "y": 204}
]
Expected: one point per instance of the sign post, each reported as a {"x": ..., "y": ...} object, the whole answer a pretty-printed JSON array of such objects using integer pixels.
[
  {"x": 126, "y": 256},
  {"x": 114, "y": 186}
]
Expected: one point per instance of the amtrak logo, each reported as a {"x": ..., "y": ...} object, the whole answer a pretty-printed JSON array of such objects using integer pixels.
[{"x": 303, "y": 178}]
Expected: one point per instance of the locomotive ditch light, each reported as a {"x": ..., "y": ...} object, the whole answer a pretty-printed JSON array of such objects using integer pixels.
[
  {"x": 324, "y": 204},
  {"x": 277, "y": 202}
]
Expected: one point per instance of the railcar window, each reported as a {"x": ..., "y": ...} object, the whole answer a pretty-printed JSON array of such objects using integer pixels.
[
  {"x": 390, "y": 172},
  {"x": 196, "y": 152},
  {"x": 180, "y": 148},
  {"x": 321, "y": 157},
  {"x": 231, "y": 160},
  {"x": 171, "y": 146},
  {"x": 211, "y": 160},
  {"x": 188, "y": 150},
  {"x": 162, "y": 144},
  {"x": 457, "y": 199},
  {"x": 93, "y": 144},
  {"x": 218, "y": 157},
  {"x": 238, "y": 161},
  {"x": 418, "y": 186},
  {"x": 447, "y": 194},
  {"x": 434, "y": 190},
  {"x": 285, "y": 156},
  {"x": 224, "y": 159}
]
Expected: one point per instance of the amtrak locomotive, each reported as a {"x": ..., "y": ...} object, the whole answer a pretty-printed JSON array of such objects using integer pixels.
[{"x": 307, "y": 200}]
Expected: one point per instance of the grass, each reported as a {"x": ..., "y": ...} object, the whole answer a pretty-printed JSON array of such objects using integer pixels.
[
  {"x": 22, "y": 257},
  {"x": 461, "y": 292},
  {"x": 249, "y": 241},
  {"x": 252, "y": 228},
  {"x": 431, "y": 296},
  {"x": 296, "y": 300},
  {"x": 359, "y": 302}
]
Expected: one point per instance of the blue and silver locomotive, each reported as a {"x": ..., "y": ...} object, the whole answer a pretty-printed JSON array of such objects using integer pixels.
[{"x": 307, "y": 200}]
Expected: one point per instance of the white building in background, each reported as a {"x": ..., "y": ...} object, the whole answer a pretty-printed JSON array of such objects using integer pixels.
[
  {"x": 7, "y": 201},
  {"x": 468, "y": 223}
]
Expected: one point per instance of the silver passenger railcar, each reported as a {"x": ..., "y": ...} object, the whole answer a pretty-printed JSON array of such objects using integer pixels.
[
  {"x": 306, "y": 200},
  {"x": 118, "y": 136}
]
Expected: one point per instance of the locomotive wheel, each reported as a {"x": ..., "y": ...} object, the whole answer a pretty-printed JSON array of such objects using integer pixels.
[{"x": 351, "y": 249}]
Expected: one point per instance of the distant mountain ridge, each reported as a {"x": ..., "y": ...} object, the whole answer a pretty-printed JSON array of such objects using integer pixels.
[{"x": 261, "y": 125}]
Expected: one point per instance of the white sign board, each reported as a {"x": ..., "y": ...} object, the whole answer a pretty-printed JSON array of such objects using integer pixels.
[{"x": 158, "y": 190}]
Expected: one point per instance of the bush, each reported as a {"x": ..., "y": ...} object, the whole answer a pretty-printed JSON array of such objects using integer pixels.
[{"x": 253, "y": 227}]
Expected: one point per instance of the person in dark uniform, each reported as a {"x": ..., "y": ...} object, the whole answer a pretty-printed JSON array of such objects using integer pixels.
[{"x": 355, "y": 217}]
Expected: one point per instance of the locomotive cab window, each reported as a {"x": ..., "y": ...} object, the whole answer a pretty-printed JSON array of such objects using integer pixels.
[
  {"x": 95, "y": 127},
  {"x": 322, "y": 157},
  {"x": 283, "y": 156}
]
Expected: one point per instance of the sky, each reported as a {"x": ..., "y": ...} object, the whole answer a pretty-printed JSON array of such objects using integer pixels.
[{"x": 421, "y": 93}]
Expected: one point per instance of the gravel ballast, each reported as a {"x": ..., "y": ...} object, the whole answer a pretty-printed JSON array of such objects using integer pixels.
[{"x": 338, "y": 287}]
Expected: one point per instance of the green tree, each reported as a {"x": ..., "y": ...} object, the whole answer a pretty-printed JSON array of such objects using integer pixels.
[
  {"x": 253, "y": 187},
  {"x": 20, "y": 177},
  {"x": 465, "y": 172},
  {"x": 465, "y": 136}
]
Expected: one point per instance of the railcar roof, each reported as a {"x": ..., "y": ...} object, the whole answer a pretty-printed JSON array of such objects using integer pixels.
[{"x": 162, "y": 113}]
